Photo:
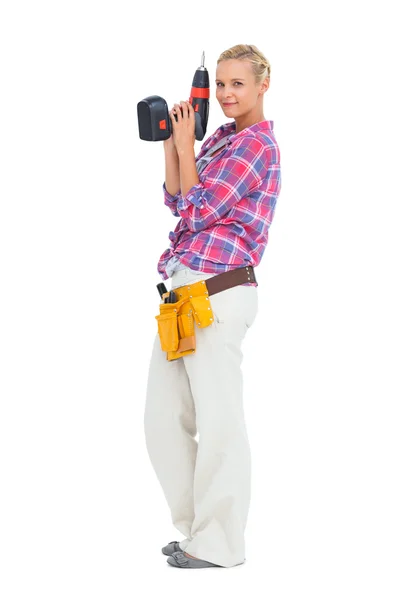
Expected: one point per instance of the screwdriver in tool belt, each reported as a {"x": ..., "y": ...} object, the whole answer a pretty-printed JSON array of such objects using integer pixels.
[
  {"x": 163, "y": 290},
  {"x": 171, "y": 298}
]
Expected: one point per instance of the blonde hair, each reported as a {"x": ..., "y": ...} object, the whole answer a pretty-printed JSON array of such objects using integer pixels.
[{"x": 259, "y": 64}]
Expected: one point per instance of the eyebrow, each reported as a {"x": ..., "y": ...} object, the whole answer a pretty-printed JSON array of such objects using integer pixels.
[{"x": 234, "y": 79}]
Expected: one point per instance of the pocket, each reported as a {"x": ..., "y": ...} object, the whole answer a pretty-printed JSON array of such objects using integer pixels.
[
  {"x": 218, "y": 316},
  {"x": 186, "y": 325},
  {"x": 235, "y": 305},
  {"x": 168, "y": 331},
  {"x": 202, "y": 310},
  {"x": 218, "y": 307}
]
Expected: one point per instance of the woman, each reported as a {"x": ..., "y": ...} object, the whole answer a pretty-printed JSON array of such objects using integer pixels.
[{"x": 225, "y": 198}]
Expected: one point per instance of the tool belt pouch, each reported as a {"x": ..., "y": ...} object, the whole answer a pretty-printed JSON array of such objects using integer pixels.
[
  {"x": 168, "y": 329},
  {"x": 176, "y": 320}
]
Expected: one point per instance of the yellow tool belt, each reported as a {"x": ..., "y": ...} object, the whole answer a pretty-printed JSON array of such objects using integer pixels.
[{"x": 176, "y": 321}]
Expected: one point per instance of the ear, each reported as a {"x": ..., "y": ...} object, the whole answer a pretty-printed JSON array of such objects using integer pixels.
[{"x": 265, "y": 85}]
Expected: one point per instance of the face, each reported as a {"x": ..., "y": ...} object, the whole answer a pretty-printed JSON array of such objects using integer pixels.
[{"x": 235, "y": 84}]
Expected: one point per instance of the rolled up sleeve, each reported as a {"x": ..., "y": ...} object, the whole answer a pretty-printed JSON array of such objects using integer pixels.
[
  {"x": 171, "y": 201},
  {"x": 229, "y": 179}
]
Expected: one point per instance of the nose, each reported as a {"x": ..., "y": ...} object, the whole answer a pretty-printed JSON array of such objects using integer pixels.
[{"x": 224, "y": 98}]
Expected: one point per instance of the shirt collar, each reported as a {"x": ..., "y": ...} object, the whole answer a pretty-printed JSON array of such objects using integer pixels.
[{"x": 230, "y": 129}]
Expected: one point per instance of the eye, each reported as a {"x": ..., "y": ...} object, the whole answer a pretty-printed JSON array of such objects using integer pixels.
[{"x": 239, "y": 82}]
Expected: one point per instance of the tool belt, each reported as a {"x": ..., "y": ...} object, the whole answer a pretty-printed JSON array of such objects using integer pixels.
[{"x": 177, "y": 319}]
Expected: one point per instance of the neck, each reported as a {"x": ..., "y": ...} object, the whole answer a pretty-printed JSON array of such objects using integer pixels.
[
  {"x": 247, "y": 121},
  {"x": 254, "y": 115}
]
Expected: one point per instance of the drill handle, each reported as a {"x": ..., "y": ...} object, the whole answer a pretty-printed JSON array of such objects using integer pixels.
[
  {"x": 201, "y": 108},
  {"x": 199, "y": 130}
]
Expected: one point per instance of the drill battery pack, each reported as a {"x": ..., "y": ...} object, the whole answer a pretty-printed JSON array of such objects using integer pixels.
[
  {"x": 154, "y": 120},
  {"x": 177, "y": 320}
]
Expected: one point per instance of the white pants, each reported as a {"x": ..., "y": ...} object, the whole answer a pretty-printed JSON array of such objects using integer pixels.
[{"x": 206, "y": 483}]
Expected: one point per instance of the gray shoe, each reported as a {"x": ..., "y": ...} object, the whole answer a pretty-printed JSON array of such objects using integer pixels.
[
  {"x": 178, "y": 559},
  {"x": 171, "y": 547}
]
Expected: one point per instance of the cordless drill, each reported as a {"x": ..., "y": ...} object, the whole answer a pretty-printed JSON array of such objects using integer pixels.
[{"x": 154, "y": 120}]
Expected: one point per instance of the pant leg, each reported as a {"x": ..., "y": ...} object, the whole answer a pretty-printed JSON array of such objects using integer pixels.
[
  {"x": 222, "y": 477},
  {"x": 170, "y": 425},
  {"x": 170, "y": 430}
]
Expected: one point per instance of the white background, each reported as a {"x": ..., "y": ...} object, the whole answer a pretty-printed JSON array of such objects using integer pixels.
[{"x": 82, "y": 227}]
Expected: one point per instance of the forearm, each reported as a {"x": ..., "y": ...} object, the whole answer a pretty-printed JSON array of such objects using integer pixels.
[
  {"x": 187, "y": 169},
  {"x": 172, "y": 179}
]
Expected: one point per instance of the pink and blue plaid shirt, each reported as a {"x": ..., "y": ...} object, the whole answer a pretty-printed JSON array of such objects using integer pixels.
[{"x": 224, "y": 219}]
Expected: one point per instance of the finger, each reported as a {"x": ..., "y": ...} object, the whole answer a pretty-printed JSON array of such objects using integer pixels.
[
  {"x": 191, "y": 110},
  {"x": 178, "y": 111},
  {"x": 185, "y": 109}
]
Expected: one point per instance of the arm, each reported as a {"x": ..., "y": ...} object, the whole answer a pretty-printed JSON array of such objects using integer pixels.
[
  {"x": 172, "y": 181},
  {"x": 228, "y": 180},
  {"x": 188, "y": 170},
  {"x": 171, "y": 187}
]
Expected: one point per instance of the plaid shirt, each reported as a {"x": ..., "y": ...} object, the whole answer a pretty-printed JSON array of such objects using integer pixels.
[{"x": 224, "y": 219}]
